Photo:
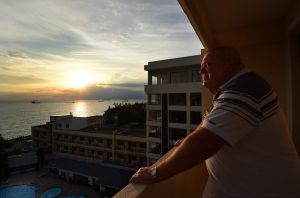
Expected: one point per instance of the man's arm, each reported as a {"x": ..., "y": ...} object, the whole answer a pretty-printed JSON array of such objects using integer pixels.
[{"x": 195, "y": 148}]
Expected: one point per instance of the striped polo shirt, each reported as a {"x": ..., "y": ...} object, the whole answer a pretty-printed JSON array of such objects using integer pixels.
[{"x": 259, "y": 159}]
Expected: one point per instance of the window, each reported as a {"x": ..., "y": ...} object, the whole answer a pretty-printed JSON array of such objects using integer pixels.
[
  {"x": 195, "y": 117},
  {"x": 154, "y": 131},
  {"x": 154, "y": 80},
  {"x": 159, "y": 79},
  {"x": 177, "y": 99},
  {"x": 154, "y": 115},
  {"x": 133, "y": 157},
  {"x": 81, "y": 150},
  {"x": 143, "y": 145},
  {"x": 179, "y": 77},
  {"x": 195, "y": 99},
  {"x": 176, "y": 134},
  {"x": 81, "y": 138},
  {"x": 178, "y": 117},
  {"x": 155, "y": 148},
  {"x": 154, "y": 99},
  {"x": 196, "y": 76},
  {"x": 133, "y": 144},
  {"x": 67, "y": 125},
  {"x": 120, "y": 156},
  {"x": 100, "y": 140}
]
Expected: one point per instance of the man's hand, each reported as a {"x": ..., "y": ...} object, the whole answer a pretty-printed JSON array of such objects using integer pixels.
[{"x": 143, "y": 176}]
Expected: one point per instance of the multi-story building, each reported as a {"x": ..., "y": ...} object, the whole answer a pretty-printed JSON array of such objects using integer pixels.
[
  {"x": 85, "y": 139},
  {"x": 86, "y": 152},
  {"x": 174, "y": 102}
]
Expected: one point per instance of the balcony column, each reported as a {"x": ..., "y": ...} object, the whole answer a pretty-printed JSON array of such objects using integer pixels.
[
  {"x": 113, "y": 149},
  {"x": 188, "y": 112},
  {"x": 149, "y": 78}
]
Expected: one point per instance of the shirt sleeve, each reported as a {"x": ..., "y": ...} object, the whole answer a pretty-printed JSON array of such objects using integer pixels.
[{"x": 231, "y": 119}]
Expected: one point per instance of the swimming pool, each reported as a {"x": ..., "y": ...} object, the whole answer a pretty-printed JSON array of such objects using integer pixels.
[
  {"x": 74, "y": 196},
  {"x": 51, "y": 193},
  {"x": 18, "y": 191},
  {"x": 28, "y": 191}
]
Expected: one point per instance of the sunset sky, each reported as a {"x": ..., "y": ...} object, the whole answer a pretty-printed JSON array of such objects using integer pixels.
[{"x": 64, "y": 49}]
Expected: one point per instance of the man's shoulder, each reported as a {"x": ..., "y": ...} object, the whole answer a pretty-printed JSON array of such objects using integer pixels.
[{"x": 250, "y": 84}]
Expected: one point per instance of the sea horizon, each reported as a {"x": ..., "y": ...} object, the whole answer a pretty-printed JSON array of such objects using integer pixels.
[{"x": 17, "y": 117}]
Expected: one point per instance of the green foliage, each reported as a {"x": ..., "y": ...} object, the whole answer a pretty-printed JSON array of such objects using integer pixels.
[
  {"x": 123, "y": 113},
  {"x": 3, "y": 158},
  {"x": 3, "y": 144}
]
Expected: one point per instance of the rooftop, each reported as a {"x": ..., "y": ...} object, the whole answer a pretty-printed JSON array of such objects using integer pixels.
[
  {"x": 111, "y": 176},
  {"x": 136, "y": 131},
  {"x": 172, "y": 63}
]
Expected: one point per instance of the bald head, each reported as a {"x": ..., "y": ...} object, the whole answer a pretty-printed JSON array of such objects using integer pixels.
[
  {"x": 219, "y": 65},
  {"x": 228, "y": 55}
]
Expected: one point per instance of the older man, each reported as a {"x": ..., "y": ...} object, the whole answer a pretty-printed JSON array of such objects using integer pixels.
[{"x": 244, "y": 139}]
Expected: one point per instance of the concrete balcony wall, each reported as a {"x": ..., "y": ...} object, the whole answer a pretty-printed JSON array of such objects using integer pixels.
[
  {"x": 153, "y": 123},
  {"x": 153, "y": 107},
  {"x": 195, "y": 108},
  {"x": 173, "y": 88},
  {"x": 178, "y": 125},
  {"x": 178, "y": 108}
]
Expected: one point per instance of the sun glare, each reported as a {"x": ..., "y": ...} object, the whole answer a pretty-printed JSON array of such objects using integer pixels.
[{"x": 80, "y": 79}]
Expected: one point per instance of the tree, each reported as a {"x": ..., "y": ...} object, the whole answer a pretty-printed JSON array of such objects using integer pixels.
[
  {"x": 126, "y": 113},
  {"x": 3, "y": 158}
]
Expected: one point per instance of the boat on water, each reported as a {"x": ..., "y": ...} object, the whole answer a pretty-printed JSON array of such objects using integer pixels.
[{"x": 35, "y": 101}]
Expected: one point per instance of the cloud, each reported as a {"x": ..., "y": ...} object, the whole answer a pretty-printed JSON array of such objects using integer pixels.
[
  {"x": 21, "y": 80},
  {"x": 16, "y": 54},
  {"x": 113, "y": 39},
  {"x": 125, "y": 91}
]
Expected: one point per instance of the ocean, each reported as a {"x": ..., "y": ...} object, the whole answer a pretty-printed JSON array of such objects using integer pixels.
[{"x": 16, "y": 118}]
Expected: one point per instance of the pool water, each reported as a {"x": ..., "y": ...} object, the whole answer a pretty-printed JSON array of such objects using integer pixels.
[
  {"x": 28, "y": 191},
  {"x": 51, "y": 193},
  {"x": 19, "y": 191},
  {"x": 74, "y": 196}
]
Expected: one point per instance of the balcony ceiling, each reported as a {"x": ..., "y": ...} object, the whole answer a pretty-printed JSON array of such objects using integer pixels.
[{"x": 213, "y": 16}]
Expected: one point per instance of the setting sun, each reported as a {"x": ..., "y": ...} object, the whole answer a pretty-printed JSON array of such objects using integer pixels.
[{"x": 80, "y": 79}]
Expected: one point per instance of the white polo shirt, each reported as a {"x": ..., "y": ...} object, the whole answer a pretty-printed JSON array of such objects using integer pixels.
[{"x": 260, "y": 159}]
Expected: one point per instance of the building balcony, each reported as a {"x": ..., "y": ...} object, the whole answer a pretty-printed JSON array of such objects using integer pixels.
[
  {"x": 155, "y": 134},
  {"x": 173, "y": 88},
  {"x": 81, "y": 142},
  {"x": 155, "y": 150},
  {"x": 142, "y": 150},
  {"x": 120, "y": 147},
  {"x": 153, "y": 107},
  {"x": 189, "y": 183}
]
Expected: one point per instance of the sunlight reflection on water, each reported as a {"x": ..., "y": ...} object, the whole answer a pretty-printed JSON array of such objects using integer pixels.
[{"x": 80, "y": 109}]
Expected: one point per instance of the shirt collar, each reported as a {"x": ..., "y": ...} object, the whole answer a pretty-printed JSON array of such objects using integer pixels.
[{"x": 241, "y": 72}]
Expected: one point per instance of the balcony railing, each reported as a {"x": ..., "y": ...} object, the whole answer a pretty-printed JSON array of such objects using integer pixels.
[{"x": 189, "y": 183}]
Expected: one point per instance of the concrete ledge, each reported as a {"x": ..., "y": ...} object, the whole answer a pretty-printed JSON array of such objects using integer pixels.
[{"x": 189, "y": 183}]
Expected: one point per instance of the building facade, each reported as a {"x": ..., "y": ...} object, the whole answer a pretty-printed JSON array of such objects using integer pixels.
[
  {"x": 173, "y": 103},
  {"x": 85, "y": 139}
]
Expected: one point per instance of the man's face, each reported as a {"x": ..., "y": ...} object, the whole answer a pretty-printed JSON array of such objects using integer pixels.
[{"x": 213, "y": 71}]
